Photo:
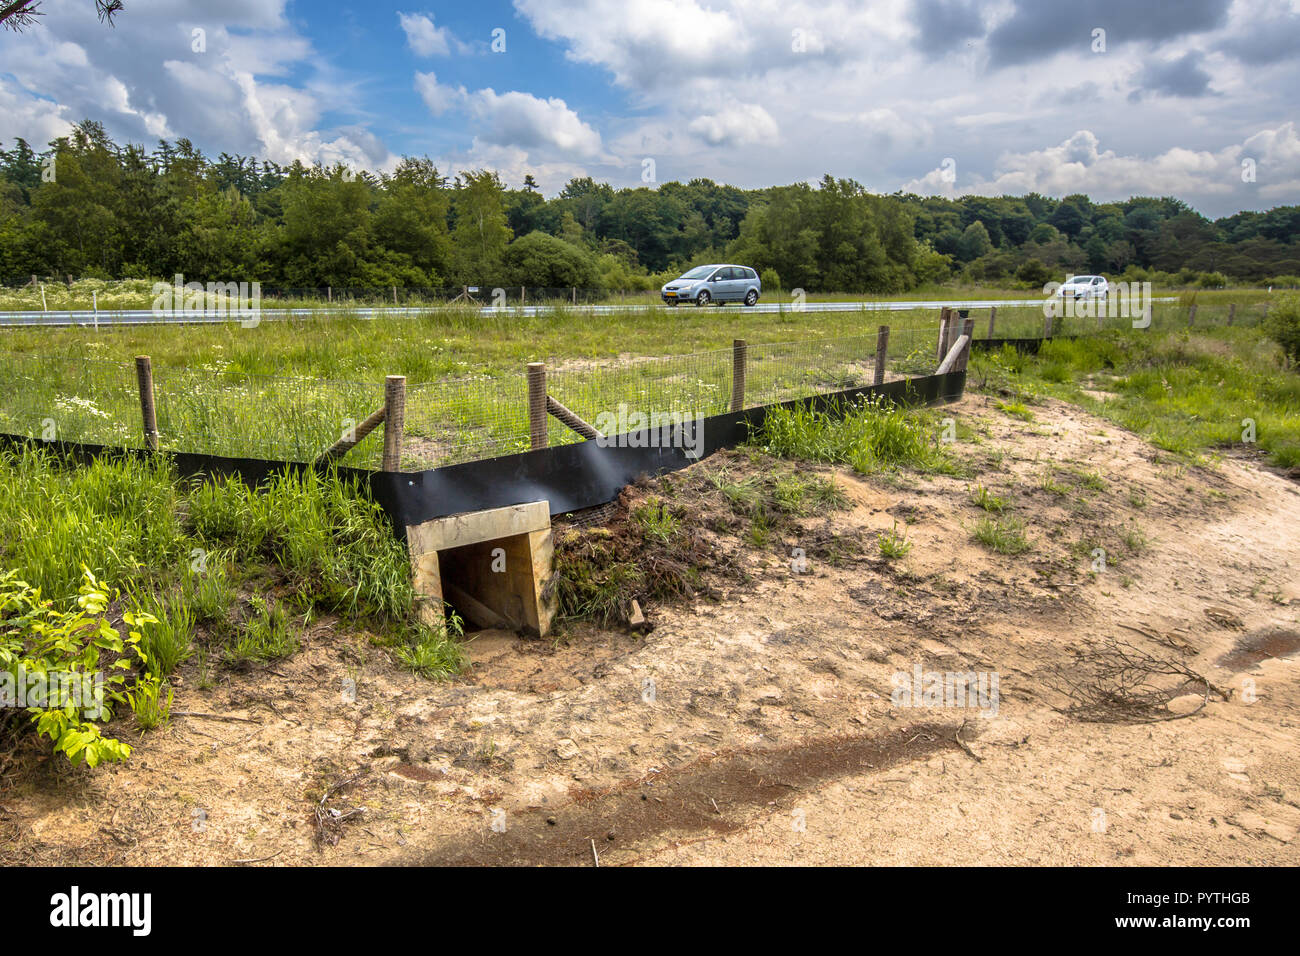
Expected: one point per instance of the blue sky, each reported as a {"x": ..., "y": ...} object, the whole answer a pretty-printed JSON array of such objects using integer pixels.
[
  {"x": 950, "y": 97},
  {"x": 380, "y": 52}
]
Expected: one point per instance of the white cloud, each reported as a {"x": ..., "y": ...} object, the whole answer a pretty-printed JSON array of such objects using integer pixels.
[
  {"x": 438, "y": 97},
  {"x": 512, "y": 163},
  {"x": 145, "y": 80},
  {"x": 424, "y": 38},
  {"x": 521, "y": 119},
  {"x": 1080, "y": 165},
  {"x": 737, "y": 124}
]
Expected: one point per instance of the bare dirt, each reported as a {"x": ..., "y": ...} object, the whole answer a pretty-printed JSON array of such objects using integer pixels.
[{"x": 758, "y": 728}]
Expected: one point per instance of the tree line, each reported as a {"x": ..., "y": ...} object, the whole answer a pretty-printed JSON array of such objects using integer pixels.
[{"x": 87, "y": 207}]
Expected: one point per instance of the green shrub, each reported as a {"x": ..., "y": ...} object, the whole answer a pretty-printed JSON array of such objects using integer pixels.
[
  {"x": 266, "y": 635},
  {"x": 36, "y": 638},
  {"x": 893, "y": 543},
  {"x": 335, "y": 543},
  {"x": 1003, "y": 535},
  {"x": 1282, "y": 323}
]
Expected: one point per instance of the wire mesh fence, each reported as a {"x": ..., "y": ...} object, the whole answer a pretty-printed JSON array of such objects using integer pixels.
[{"x": 229, "y": 412}]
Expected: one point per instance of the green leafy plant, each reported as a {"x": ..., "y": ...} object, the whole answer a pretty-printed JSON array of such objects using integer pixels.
[
  {"x": 982, "y": 497},
  {"x": 266, "y": 635},
  {"x": 70, "y": 648},
  {"x": 656, "y": 521},
  {"x": 870, "y": 436},
  {"x": 171, "y": 640},
  {"x": 434, "y": 652}
]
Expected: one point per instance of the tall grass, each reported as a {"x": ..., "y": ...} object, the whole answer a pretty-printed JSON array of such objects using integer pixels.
[
  {"x": 335, "y": 544},
  {"x": 869, "y": 436},
  {"x": 1186, "y": 391},
  {"x": 119, "y": 518},
  {"x": 171, "y": 545}
]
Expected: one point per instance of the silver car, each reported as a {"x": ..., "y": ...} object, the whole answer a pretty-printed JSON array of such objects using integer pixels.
[{"x": 717, "y": 283}]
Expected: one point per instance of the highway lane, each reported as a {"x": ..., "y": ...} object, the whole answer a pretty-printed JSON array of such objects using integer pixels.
[{"x": 107, "y": 317}]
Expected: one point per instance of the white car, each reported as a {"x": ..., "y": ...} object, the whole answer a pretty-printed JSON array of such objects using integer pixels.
[{"x": 1084, "y": 287}]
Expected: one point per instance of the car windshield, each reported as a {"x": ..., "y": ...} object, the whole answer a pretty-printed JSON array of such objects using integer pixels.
[
  {"x": 1080, "y": 280},
  {"x": 700, "y": 272}
]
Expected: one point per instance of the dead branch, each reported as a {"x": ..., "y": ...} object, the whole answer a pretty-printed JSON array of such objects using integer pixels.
[
  {"x": 330, "y": 820},
  {"x": 1119, "y": 682}
]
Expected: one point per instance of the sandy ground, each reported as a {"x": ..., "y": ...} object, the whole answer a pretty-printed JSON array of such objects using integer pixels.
[{"x": 759, "y": 729}]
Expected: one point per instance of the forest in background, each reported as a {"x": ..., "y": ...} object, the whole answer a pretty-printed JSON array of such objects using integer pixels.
[{"x": 87, "y": 207}]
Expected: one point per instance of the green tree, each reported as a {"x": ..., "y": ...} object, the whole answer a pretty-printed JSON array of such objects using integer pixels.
[
  {"x": 480, "y": 235},
  {"x": 541, "y": 260},
  {"x": 975, "y": 242}
]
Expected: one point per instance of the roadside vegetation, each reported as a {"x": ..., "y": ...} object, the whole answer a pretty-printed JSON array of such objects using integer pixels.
[
  {"x": 120, "y": 565},
  {"x": 1196, "y": 392}
]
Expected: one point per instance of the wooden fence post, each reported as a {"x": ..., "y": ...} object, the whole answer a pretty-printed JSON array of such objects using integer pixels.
[
  {"x": 1191, "y": 314},
  {"x": 537, "y": 404},
  {"x": 942, "y": 349},
  {"x": 1047, "y": 326},
  {"x": 575, "y": 295},
  {"x": 148, "y": 411},
  {"x": 394, "y": 421},
  {"x": 968, "y": 330},
  {"x": 394, "y": 296},
  {"x": 882, "y": 349},
  {"x": 993, "y": 317},
  {"x": 522, "y": 291},
  {"x": 955, "y": 323},
  {"x": 329, "y": 294},
  {"x": 739, "y": 362},
  {"x": 1232, "y": 312}
]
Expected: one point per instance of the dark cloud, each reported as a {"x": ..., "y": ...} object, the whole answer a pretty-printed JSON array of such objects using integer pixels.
[
  {"x": 1037, "y": 29},
  {"x": 1267, "y": 39},
  {"x": 946, "y": 24},
  {"x": 1180, "y": 77}
]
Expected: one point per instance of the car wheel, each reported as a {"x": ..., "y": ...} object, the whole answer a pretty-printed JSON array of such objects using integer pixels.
[
  {"x": 751, "y": 297},
  {"x": 703, "y": 298}
]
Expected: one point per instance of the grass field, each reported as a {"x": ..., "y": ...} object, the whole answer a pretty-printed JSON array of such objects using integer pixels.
[
  {"x": 287, "y": 389},
  {"x": 1196, "y": 392}
]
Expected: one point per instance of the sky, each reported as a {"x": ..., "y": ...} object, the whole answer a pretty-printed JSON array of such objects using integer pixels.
[{"x": 1194, "y": 98}]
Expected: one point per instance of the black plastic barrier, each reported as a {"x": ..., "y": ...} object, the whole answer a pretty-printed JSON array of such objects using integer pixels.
[
  {"x": 570, "y": 477},
  {"x": 1023, "y": 346}
]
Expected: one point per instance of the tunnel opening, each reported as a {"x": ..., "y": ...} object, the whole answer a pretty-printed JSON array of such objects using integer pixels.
[{"x": 493, "y": 568}]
